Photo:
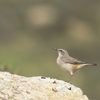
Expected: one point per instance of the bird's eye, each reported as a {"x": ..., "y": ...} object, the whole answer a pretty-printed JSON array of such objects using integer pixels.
[{"x": 60, "y": 50}]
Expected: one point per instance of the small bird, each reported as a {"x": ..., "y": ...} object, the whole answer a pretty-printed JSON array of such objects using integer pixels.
[{"x": 68, "y": 63}]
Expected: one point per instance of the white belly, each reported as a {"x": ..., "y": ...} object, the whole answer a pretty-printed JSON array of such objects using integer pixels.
[{"x": 66, "y": 67}]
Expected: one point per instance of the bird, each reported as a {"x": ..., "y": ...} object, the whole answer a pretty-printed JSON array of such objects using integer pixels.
[{"x": 68, "y": 63}]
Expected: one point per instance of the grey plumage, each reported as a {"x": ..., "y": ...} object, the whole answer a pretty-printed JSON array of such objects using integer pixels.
[
  {"x": 69, "y": 63},
  {"x": 71, "y": 60}
]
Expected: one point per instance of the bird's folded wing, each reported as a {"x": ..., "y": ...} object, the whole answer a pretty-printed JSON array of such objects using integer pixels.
[{"x": 72, "y": 60}]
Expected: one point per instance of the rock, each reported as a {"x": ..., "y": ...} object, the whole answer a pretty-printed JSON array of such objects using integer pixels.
[{"x": 15, "y": 87}]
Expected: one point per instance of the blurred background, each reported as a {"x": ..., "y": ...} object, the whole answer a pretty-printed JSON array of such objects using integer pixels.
[{"x": 29, "y": 29}]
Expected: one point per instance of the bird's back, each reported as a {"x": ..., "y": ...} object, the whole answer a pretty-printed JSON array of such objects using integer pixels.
[{"x": 71, "y": 60}]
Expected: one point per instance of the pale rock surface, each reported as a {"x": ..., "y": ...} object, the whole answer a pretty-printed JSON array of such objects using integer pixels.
[{"x": 15, "y": 87}]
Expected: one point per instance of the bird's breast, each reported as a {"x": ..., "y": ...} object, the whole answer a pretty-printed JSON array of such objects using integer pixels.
[
  {"x": 59, "y": 61},
  {"x": 63, "y": 65}
]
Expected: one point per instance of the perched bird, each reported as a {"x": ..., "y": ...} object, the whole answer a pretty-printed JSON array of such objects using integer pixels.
[{"x": 68, "y": 63}]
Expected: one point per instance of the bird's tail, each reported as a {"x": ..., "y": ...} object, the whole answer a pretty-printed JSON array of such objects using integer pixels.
[{"x": 92, "y": 64}]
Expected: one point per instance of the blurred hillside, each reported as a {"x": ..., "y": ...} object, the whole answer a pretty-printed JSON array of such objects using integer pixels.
[{"x": 29, "y": 29}]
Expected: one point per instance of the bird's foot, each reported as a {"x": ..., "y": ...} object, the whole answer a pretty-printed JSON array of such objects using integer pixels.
[{"x": 68, "y": 82}]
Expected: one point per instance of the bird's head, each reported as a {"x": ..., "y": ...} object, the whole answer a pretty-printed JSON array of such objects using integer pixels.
[{"x": 62, "y": 52}]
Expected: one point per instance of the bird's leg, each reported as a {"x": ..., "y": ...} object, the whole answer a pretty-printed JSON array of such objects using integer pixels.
[{"x": 70, "y": 78}]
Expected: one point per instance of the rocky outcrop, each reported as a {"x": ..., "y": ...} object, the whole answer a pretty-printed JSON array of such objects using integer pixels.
[{"x": 15, "y": 87}]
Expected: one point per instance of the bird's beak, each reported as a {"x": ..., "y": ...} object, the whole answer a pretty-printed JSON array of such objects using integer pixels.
[{"x": 55, "y": 49}]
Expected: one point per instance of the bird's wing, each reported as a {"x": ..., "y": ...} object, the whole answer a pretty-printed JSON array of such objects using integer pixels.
[{"x": 72, "y": 60}]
